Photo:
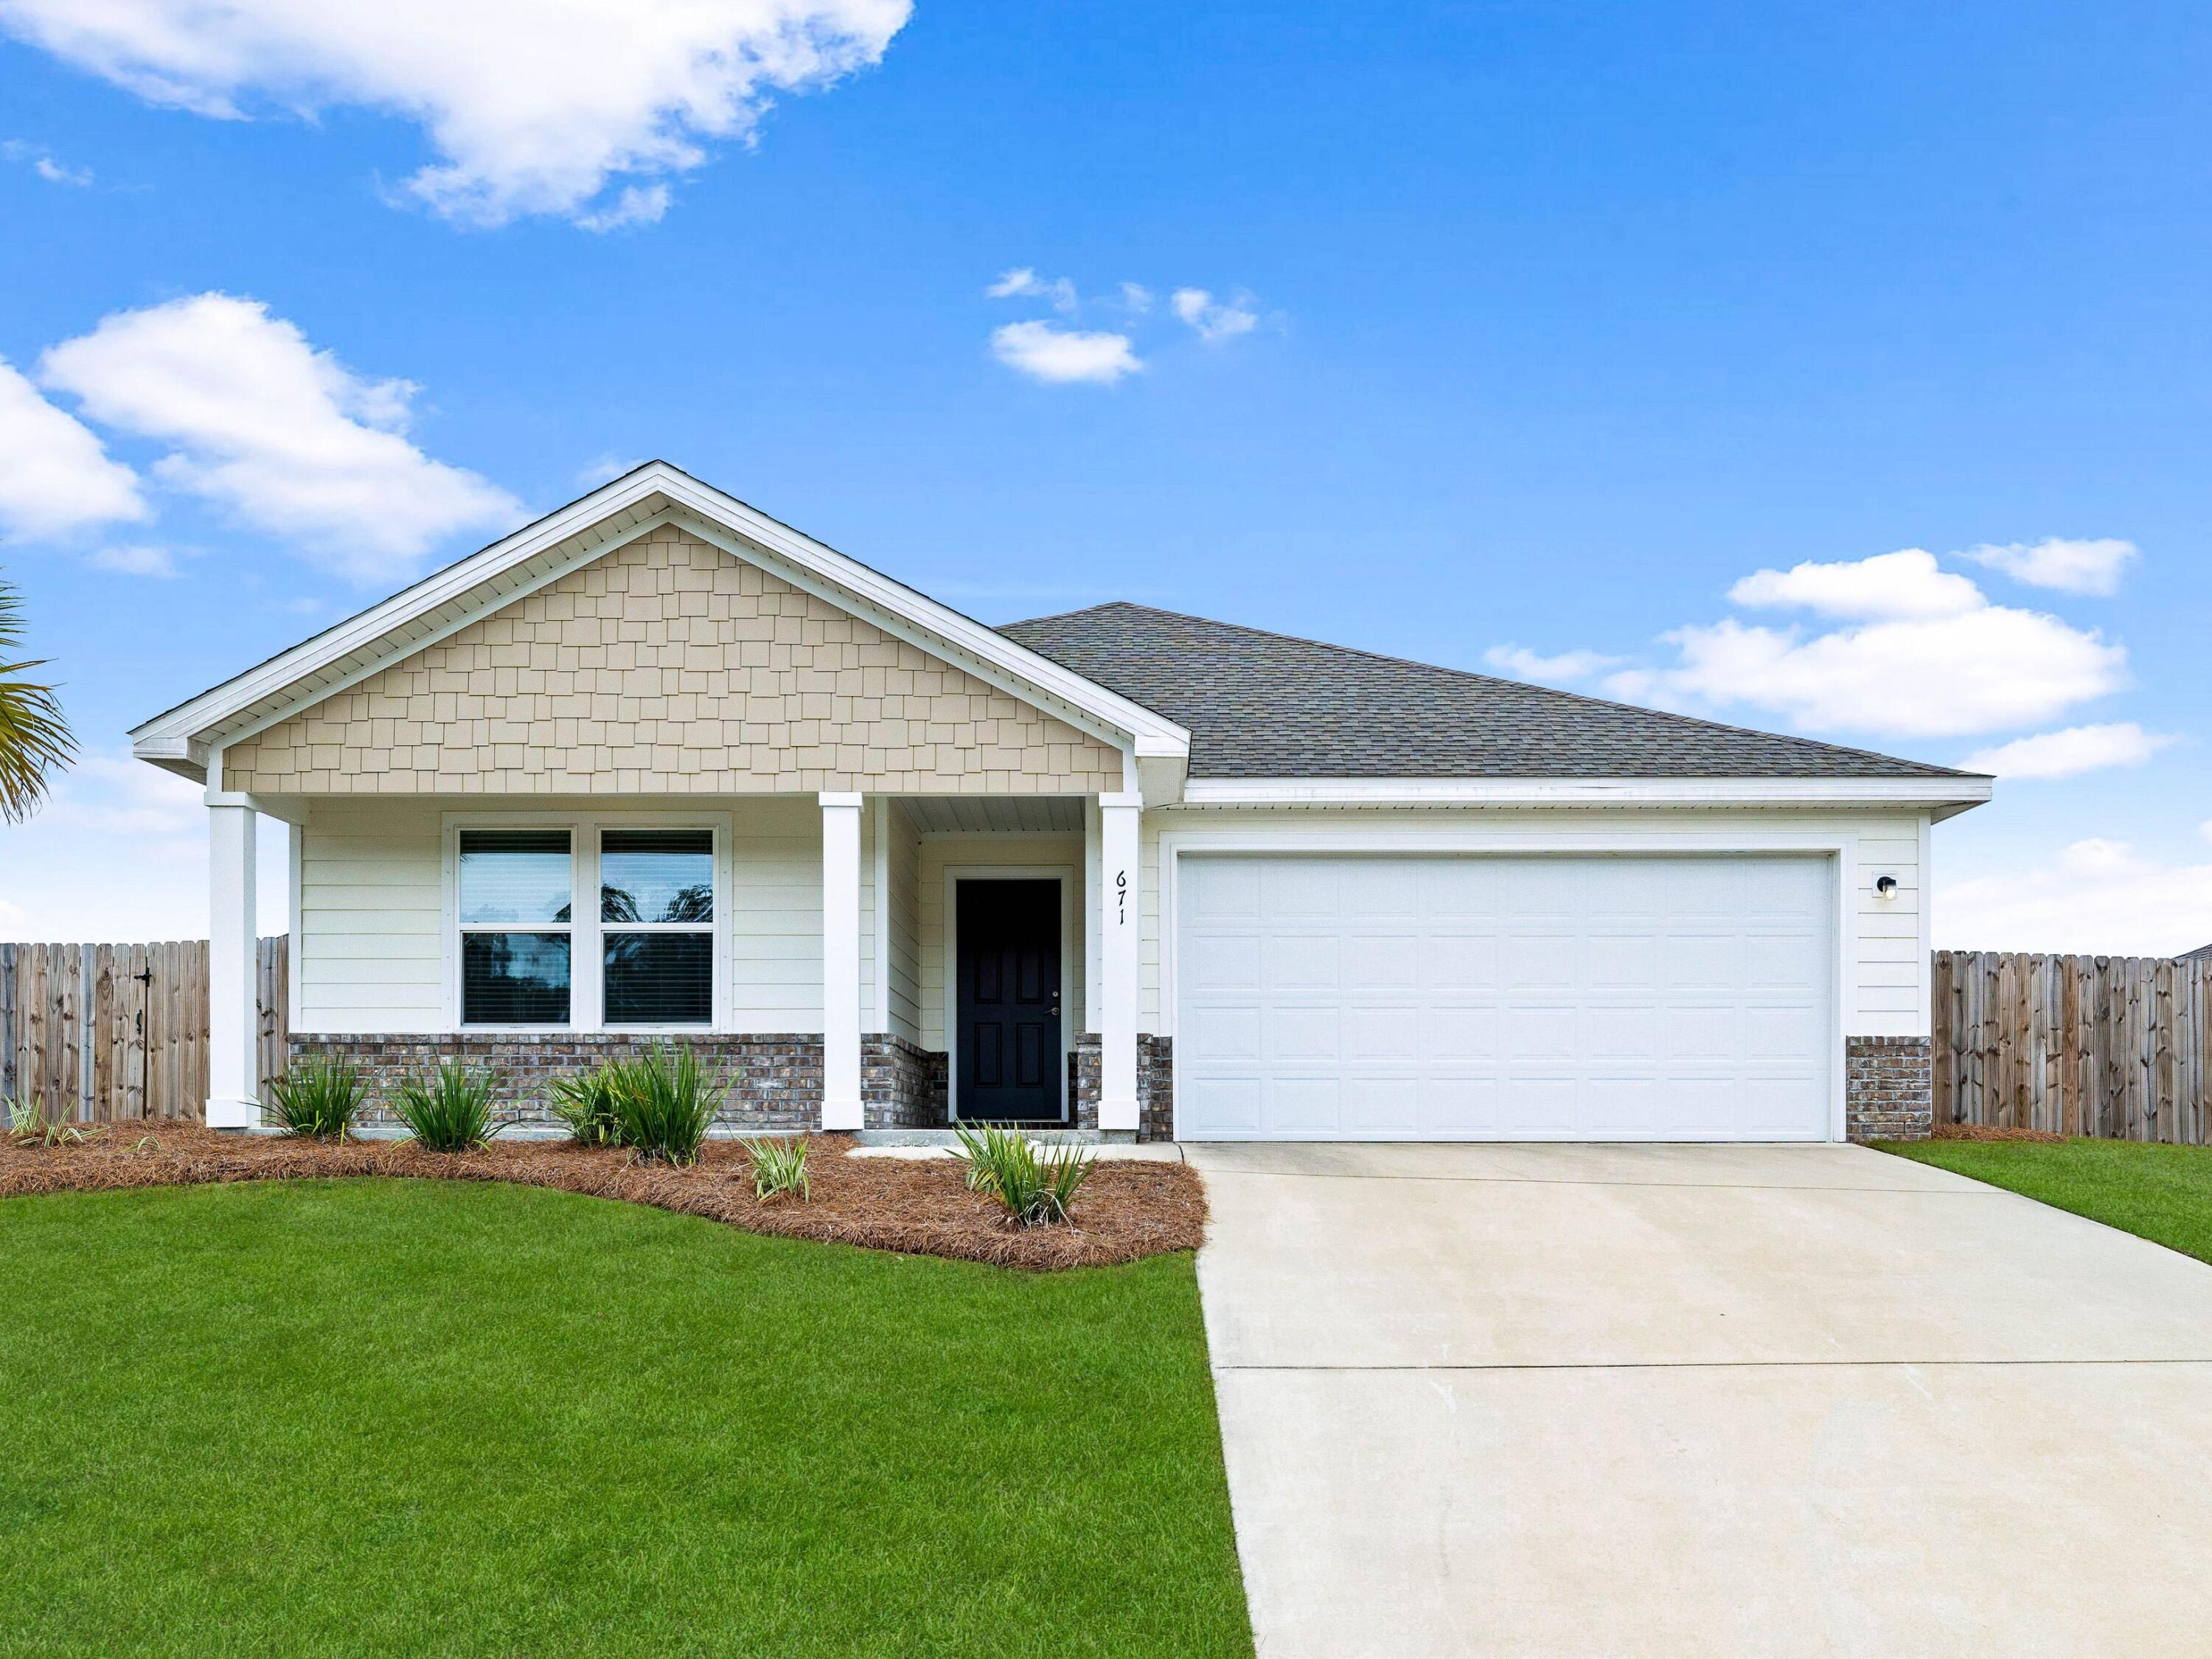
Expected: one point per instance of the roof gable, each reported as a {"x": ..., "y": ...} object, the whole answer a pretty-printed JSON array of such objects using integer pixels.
[
  {"x": 651, "y": 496},
  {"x": 671, "y": 666},
  {"x": 1260, "y": 705}
]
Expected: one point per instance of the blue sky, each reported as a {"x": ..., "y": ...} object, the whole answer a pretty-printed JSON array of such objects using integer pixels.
[{"x": 1483, "y": 334}]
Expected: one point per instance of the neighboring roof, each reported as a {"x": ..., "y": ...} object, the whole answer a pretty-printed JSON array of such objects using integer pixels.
[
  {"x": 1262, "y": 705},
  {"x": 183, "y": 737},
  {"x": 2202, "y": 953}
]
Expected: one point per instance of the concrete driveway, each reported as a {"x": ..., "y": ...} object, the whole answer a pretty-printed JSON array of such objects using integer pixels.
[{"x": 1592, "y": 1401}]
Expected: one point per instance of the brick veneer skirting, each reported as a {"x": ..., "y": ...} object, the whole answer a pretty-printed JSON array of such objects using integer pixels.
[
  {"x": 1888, "y": 1088},
  {"x": 774, "y": 1080},
  {"x": 1155, "y": 1083},
  {"x": 901, "y": 1086}
]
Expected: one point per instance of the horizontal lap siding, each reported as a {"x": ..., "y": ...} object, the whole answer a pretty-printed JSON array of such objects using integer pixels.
[
  {"x": 1886, "y": 972},
  {"x": 370, "y": 916},
  {"x": 372, "y": 928}
]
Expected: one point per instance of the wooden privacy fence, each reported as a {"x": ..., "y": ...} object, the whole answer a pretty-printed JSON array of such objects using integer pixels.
[
  {"x": 105, "y": 1032},
  {"x": 2110, "y": 1046}
]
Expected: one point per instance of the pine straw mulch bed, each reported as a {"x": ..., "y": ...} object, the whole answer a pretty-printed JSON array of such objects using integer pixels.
[
  {"x": 1992, "y": 1132},
  {"x": 1128, "y": 1210}
]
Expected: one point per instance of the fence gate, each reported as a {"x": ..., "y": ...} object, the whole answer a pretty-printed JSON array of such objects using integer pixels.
[{"x": 108, "y": 1032}]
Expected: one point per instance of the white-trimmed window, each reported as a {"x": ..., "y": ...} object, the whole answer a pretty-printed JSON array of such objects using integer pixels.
[
  {"x": 657, "y": 927},
  {"x": 517, "y": 903},
  {"x": 537, "y": 950}
]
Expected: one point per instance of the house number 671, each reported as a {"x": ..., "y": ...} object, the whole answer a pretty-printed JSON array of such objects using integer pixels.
[{"x": 1120, "y": 898}]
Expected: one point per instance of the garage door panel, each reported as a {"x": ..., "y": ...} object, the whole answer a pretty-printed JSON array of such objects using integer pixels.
[
  {"x": 1777, "y": 1034},
  {"x": 1542, "y": 1032},
  {"x": 1452, "y": 1107},
  {"x": 1620, "y": 1105},
  {"x": 1702, "y": 961},
  {"x": 1221, "y": 1103},
  {"x": 1458, "y": 1034},
  {"x": 1381, "y": 962},
  {"x": 1617, "y": 1031},
  {"x": 1625, "y": 961},
  {"x": 1376, "y": 1105},
  {"x": 1459, "y": 961},
  {"x": 1305, "y": 1102},
  {"x": 1302, "y": 1034},
  {"x": 1785, "y": 961},
  {"x": 1299, "y": 889},
  {"x": 1504, "y": 997},
  {"x": 1537, "y": 1108},
  {"x": 1380, "y": 887},
  {"x": 1302, "y": 960},
  {"x": 1382, "y": 1035},
  {"x": 1458, "y": 889},
  {"x": 1232, "y": 1032},
  {"x": 1224, "y": 888},
  {"x": 1229, "y": 962},
  {"x": 1533, "y": 962}
]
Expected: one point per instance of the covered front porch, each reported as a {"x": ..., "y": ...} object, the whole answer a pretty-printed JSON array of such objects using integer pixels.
[{"x": 848, "y": 960}]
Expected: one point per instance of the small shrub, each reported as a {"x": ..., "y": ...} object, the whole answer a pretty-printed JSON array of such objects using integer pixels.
[
  {"x": 28, "y": 1126},
  {"x": 318, "y": 1097},
  {"x": 1037, "y": 1185},
  {"x": 663, "y": 1107},
  {"x": 449, "y": 1112},
  {"x": 779, "y": 1167},
  {"x": 585, "y": 1103}
]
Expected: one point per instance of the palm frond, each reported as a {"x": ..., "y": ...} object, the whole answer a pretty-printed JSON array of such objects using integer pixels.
[{"x": 36, "y": 739}]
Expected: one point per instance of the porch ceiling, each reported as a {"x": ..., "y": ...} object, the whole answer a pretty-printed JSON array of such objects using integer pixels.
[{"x": 948, "y": 815}]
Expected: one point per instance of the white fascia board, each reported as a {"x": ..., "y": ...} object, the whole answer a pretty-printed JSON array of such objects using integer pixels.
[
  {"x": 183, "y": 756},
  {"x": 1033, "y": 675},
  {"x": 1923, "y": 794}
]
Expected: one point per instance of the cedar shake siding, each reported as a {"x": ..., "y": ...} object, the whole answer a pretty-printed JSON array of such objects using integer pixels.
[{"x": 669, "y": 666}]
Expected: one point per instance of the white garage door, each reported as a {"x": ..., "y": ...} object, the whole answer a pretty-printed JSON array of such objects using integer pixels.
[{"x": 1473, "y": 997}]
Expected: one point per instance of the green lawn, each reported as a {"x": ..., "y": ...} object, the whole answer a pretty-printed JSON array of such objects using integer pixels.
[
  {"x": 340, "y": 1417},
  {"x": 2159, "y": 1193}
]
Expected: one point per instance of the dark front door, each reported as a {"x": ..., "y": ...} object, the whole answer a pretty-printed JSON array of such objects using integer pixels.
[{"x": 1008, "y": 1046}]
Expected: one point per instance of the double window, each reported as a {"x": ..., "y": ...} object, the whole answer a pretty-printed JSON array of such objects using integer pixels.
[{"x": 649, "y": 941}]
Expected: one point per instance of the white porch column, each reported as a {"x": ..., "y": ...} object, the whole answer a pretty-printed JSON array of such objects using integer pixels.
[
  {"x": 840, "y": 960},
  {"x": 233, "y": 1020},
  {"x": 1120, "y": 923}
]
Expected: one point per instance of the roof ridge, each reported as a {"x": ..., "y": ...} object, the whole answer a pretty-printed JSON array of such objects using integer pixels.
[{"x": 1469, "y": 674}]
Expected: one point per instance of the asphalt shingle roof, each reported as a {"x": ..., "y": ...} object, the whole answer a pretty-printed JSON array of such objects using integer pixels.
[{"x": 1262, "y": 705}]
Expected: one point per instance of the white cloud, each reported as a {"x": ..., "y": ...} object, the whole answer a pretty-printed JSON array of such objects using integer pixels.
[
  {"x": 41, "y": 161},
  {"x": 2067, "y": 753},
  {"x": 1137, "y": 298},
  {"x": 534, "y": 107},
  {"x": 605, "y": 469},
  {"x": 283, "y": 435},
  {"x": 1926, "y": 655},
  {"x": 1045, "y": 351},
  {"x": 1024, "y": 283},
  {"x": 119, "y": 852},
  {"x": 138, "y": 561},
  {"x": 637, "y": 204},
  {"x": 55, "y": 477},
  {"x": 1214, "y": 319},
  {"x": 2096, "y": 896},
  {"x": 1565, "y": 668},
  {"x": 2071, "y": 566},
  {"x": 1906, "y": 583}
]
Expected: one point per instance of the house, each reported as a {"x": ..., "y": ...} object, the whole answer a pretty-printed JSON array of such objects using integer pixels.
[{"x": 1119, "y": 868}]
